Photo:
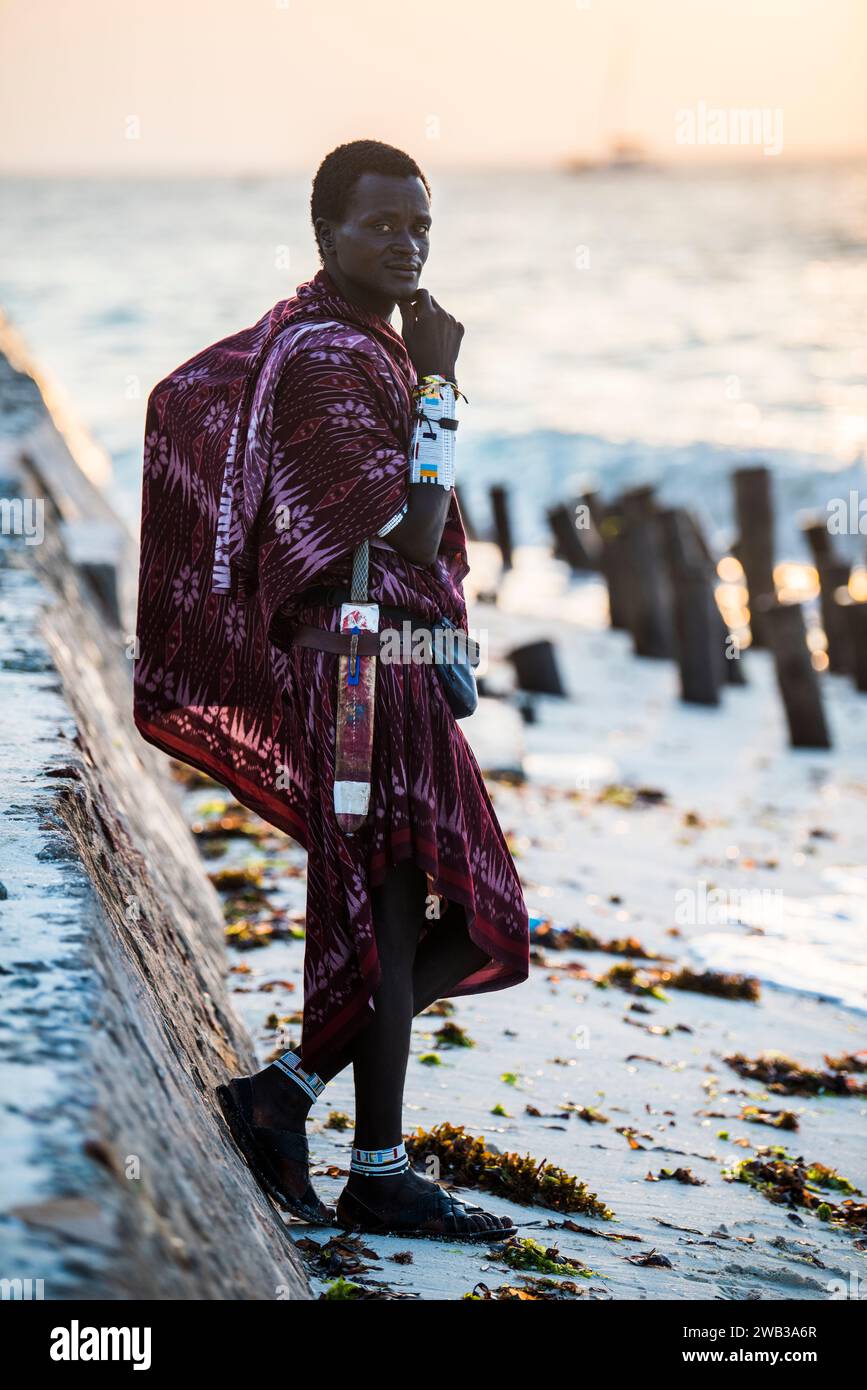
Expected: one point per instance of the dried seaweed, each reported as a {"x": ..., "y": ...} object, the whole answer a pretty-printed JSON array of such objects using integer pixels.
[
  {"x": 234, "y": 823},
  {"x": 781, "y": 1074},
  {"x": 588, "y": 1113},
  {"x": 453, "y": 1035},
  {"x": 443, "y": 1008},
  {"x": 776, "y": 1119},
  {"x": 530, "y": 1290},
  {"x": 345, "y": 1289},
  {"x": 654, "y": 982},
  {"x": 791, "y": 1182},
  {"x": 682, "y": 1175},
  {"x": 237, "y": 878},
  {"x": 717, "y": 983},
  {"x": 633, "y": 980},
  {"x": 582, "y": 939},
  {"x": 191, "y": 776},
  {"x": 650, "y": 1260},
  {"x": 468, "y": 1162},
  {"x": 245, "y": 932},
  {"x": 339, "y": 1120},
  {"x": 849, "y": 1061},
  {"x": 342, "y": 1255},
  {"x": 520, "y": 1252},
  {"x": 616, "y": 794}
]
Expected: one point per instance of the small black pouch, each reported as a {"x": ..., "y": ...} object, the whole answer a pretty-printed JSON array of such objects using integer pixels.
[{"x": 455, "y": 656}]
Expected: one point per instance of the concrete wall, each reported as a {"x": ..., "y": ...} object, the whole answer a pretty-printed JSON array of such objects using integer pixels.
[{"x": 118, "y": 1178}]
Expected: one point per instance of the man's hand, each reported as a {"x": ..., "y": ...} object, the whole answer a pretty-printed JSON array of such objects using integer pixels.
[{"x": 433, "y": 337}]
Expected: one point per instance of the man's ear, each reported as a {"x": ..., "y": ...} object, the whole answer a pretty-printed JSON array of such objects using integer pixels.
[{"x": 324, "y": 235}]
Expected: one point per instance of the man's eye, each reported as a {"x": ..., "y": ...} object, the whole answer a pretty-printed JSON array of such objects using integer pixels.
[
  {"x": 423, "y": 228},
  {"x": 386, "y": 226}
]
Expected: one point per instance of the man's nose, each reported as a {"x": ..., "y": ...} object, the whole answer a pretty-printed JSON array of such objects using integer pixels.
[{"x": 405, "y": 244}]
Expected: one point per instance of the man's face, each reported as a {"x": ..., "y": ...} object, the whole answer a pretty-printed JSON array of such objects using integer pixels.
[{"x": 378, "y": 250}]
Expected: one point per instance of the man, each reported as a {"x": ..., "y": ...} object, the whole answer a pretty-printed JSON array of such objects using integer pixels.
[{"x": 295, "y": 438}]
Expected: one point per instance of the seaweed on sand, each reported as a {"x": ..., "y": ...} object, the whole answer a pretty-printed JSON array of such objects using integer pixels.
[
  {"x": 228, "y": 822},
  {"x": 189, "y": 776},
  {"x": 849, "y": 1061},
  {"x": 776, "y": 1119},
  {"x": 453, "y": 1035},
  {"x": 633, "y": 980},
  {"x": 724, "y": 986},
  {"x": 442, "y": 1008},
  {"x": 791, "y": 1182},
  {"x": 582, "y": 939},
  {"x": 238, "y": 879},
  {"x": 616, "y": 794},
  {"x": 532, "y": 1289},
  {"x": 779, "y": 1073},
  {"x": 275, "y": 925},
  {"x": 338, "y": 1119},
  {"x": 682, "y": 1175},
  {"x": 655, "y": 981},
  {"x": 468, "y": 1162},
  {"x": 520, "y": 1252}
]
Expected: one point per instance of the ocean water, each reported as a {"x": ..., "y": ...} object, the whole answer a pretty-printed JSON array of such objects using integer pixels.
[{"x": 621, "y": 327}]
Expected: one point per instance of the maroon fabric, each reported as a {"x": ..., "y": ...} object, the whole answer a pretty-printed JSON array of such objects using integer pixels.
[{"x": 268, "y": 458}]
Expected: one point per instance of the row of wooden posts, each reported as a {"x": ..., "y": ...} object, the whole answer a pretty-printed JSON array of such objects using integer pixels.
[{"x": 661, "y": 578}]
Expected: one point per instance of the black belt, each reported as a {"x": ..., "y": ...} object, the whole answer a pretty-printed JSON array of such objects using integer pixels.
[
  {"x": 334, "y": 595},
  {"x": 286, "y": 632}
]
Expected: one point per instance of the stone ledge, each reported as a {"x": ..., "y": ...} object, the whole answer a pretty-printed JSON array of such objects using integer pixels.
[{"x": 119, "y": 1179}]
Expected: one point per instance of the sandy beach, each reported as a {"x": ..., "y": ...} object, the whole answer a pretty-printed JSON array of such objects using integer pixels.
[{"x": 703, "y": 836}]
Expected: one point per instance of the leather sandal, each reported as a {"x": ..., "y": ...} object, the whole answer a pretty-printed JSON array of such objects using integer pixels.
[
  {"x": 415, "y": 1218},
  {"x": 261, "y": 1146}
]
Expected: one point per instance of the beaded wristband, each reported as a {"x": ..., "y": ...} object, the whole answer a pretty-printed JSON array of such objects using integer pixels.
[{"x": 432, "y": 456}]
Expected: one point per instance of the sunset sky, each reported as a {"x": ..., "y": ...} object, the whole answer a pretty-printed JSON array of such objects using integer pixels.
[{"x": 270, "y": 85}]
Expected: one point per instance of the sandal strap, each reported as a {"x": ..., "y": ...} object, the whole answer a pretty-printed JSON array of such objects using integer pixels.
[{"x": 436, "y": 1205}]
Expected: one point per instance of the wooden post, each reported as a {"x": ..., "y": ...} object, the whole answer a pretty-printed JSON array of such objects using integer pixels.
[
  {"x": 648, "y": 597},
  {"x": 536, "y": 668},
  {"x": 755, "y": 546},
  {"x": 819, "y": 541},
  {"x": 856, "y": 621},
  {"x": 732, "y": 667},
  {"x": 696, "y": 616},
  {"x": 570, "y": 544},
  {"x": 798, "y": 682},
  {"x": 613, "y": 562},
  {"x": 502, "y": 528},
  {"x": 834, "y": 575}
]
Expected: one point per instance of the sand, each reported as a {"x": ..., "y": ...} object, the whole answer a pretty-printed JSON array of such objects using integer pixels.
[{"x": 782, "y": 835}]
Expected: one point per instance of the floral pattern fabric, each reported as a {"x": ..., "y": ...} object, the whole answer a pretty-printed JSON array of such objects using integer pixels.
[{"x": 268, "y": 458}]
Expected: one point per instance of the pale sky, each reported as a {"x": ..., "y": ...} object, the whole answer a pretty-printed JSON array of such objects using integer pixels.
[{"x": 272, "y": 85}]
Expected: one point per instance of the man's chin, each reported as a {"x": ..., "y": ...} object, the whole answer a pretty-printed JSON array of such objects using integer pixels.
[{"x": 400, "y": 285}]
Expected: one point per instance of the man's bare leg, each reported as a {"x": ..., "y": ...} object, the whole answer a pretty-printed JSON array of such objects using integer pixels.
[{"x": 445, "y": 956}]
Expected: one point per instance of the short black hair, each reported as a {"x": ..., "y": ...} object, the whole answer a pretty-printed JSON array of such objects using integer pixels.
[{"x": 340, "y": 171}]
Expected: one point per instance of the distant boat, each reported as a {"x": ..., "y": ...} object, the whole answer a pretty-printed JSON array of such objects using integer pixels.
[{"x": 623, "y": 155}]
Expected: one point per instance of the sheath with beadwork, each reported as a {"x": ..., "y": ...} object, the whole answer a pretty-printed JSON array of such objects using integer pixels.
[{"x": 356, "y": 698}]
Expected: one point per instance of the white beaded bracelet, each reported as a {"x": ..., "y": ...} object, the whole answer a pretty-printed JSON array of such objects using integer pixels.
[{"x": 432, "y": 456}]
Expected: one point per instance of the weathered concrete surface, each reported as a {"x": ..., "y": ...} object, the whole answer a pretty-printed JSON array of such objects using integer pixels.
[{"x": 118, "y": 1178}]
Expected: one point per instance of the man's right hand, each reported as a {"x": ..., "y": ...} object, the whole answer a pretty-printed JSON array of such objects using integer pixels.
[{"x": 432, "y": 336}]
